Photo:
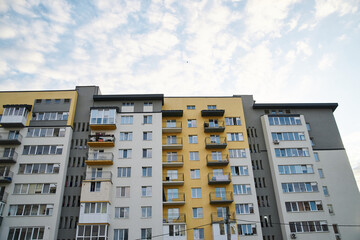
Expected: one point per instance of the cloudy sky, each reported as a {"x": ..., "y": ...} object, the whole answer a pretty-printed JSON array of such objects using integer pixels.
[{"x": 278, "y": 51}]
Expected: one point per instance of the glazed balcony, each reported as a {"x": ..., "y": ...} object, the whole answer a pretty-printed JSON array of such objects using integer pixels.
[
  {"x": 180, "y": 218},
  {"x": 173, "y": 161},
  {"x": 214, "y": 127},
  {"x": 171, "y": 127},
  {"x": 101, "y": 141},
  {"x": 224, "y": 178},
  {"x": 174, "y": 179},
  {"x": 6, "y": 177},
  {"x": 3, "y": 197},
  {"x": 220, "y": 218},
  {"x": 9, "y": 138},
  {"x": 15, "y": 115},
  {"x": 8, "y": 156},
  {"x": 215, "y": 143},
  {"x": 100, "y": 158},
  {"x": 221, "y": 197},
  {"x": 103, "y": 118},
  {"x": 174, "y": 199},
  {"x": 101, "y": 176},
  {"x": 217, "y": 160},
  {"x": 172, "y": 143},
  {"x": 212, "y": 113}
]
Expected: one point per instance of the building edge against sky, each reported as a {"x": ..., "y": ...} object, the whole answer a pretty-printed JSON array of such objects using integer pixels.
[{"x": 150, "y": 165}]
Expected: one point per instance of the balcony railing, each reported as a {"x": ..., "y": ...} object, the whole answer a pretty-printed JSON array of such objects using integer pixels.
[
  {"x": 217, "y": 142},
  {"x": 174, "y": 199},
  {"x": 3, "y": 197},
  {"x": 100, "y": 158},
  {"x": 216, "y": 178},
  {"x": 8, "y": 156},
  {"x": 172, "y": 143},
  {"x": 8, "y": 138},
  {"x": 101, "y": 141},
  {"x": 173, "y": 160},
  {"x": 221, "y": 217},
  {"x": 214, "y": 127},
  {"x": 221, "y": 197},
  {"x": 175, "y": 218},
  {"x": 98, "y": 176},
  {"x": 174, "y": 179},
  {"x": 217, "y": 160},
  {"x": 6, "y": 177},
  {"x": 169, "y": 127}
]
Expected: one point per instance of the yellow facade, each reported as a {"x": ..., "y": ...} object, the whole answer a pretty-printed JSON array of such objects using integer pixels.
[
  {"x": 233, "y": 108},
  {"x": 30, "y": 97}
]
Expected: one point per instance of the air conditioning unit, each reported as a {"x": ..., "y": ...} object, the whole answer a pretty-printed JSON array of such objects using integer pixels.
[
  {"x": 276, "y": 142},
  {"x": 293, "y": 236}
]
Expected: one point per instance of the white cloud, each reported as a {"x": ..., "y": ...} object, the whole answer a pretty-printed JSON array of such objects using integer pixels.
[
  {"x": 3, "y": 67},
  {"x": 7, "y": 32},
  {"x": 303, "y": 47},
  {"x": 323, "y": 8},
  {"x": 342, "y": 37},
  {"x": 327, "y": 61}
]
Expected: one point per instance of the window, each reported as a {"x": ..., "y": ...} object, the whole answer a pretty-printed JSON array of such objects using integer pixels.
[
  {"x": 46, "y": 132},
  {"x": 33, "y": 232},
  {"x": 126, "y": 120},
  {"x": 196, "y": 192},
  {"x": 121, "y": 234},
  {"x": 66, "y": 100},
  {"x": 177, "y": 230},
  {"x": 308, "y": 126},
  {"x": 42, "y": 149},
  {"x": 304, "y": 206},
  {"x": 148, "y": 107},
  {"x": 125, "y": 153},
  {"x": 37, "y": 168},
  {"x": 316, "y": 156},
  {"x": 321, "y": 173},
  {"x": 38, "y": 100},
  {"x": 199, "y": 233},
  {"x": 241, "y": 189},
  {"x": 147, "y": 136},
  {"x": 295, "y": 169},
  {"x": 102, "y": 116},
  {"x": 284, "y": 120},
  {"x": 331, "y": 209},
  {"x": 247, "y": 229},
  {"x": 122, "y": 212},
  {"x": 309, "y": 226},
  {"x": 85, "y": 232},
  {"x": 148, "y": 119},
  {"x": 192, "y": 123},
  {"x": 31, "y": 210},
  {"x": 195, "y": 173},
  {"x": 146, "y": 233},
  {"x": 146, "y": 212},
  {"x": 194, "y": 156},
  {"x": 95, "y": 186},
  {"x": 237, "y": 153},
  {"x": 244, "y": 208},
  {"x": 288, "y": 136},
  {"x": 300, "y": 187},
  {"x": 124, "y": 172},
  {"x": 292, "y": 152},
  {"x": 146, "y": 191},
  {"x": 325, "y": 190},
  {"x": 95, "y": 207},
  {"x": 171, "y": 156},
  {"x": 235, "y": 137},
  {"x": 126, "y": 136},
  {"x": 35, "y": 188},
  {"x": 193, "y": 139},
  {"x": 123, "y": 192},
  {"x": 197, "y": 213},
  {"x": 239, "y": 171},
  {"x": 127, "y": 107},
  {"x": 190, "y": 107},
  {"x": 232, "y": 121},
  {"x": 211, "y": 107},
  {"x": 147, "y": 171},
  {"x": 147, "y": 153},
  {"x": 312, "y": 141}
]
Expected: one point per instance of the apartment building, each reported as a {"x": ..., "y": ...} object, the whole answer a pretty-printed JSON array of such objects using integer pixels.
[{"x": 36, "y": 128}]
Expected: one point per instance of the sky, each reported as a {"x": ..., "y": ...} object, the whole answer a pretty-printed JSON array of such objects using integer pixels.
[{"x": 277, "y": 50}]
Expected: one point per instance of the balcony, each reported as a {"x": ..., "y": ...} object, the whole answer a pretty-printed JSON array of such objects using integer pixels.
[
  {"x": 3, "y": 197},
  {"x": 103, "y": 118},
  {"x": 172, "y": 113},
  {"x": 6, "y": 177},
  {"x": 175, "y": 218},
  {"x": 100, "y": 176},
  {"x": 10, "y": 138},
  {"x": 174, "y": 179},
  {"x": 214, "y": 127},
  {"x": 173, "y": 161},
  {"x": 215, "y": 143},
  {"x": 217, "y": 178},
  {"x": 172, "y": 143},
  {"x": 212, "y": 113},
  {"x": 174, "y": 199},
  {"x": 221, "y": 197},
  {"x": 217, "y": 160},
  {"x": 100, "y": 158},
  {"x": 7, "y": 156},
  {"x": 171, "y": 127},
  {"x": 15, "y": 115},
  {"x": 221, "y": 217},
  {"x": 101, "y": 141}
]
